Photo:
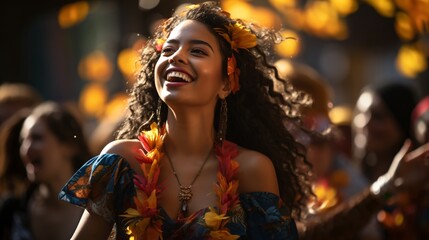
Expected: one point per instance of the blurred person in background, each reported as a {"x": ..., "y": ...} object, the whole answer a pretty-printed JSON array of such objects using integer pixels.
[
  {"x": 337, "y": 215},
  {"x": 381, "y": 125},
  {"x": 52, "y": 147},
  {"x": 335, "y": 179},
  {"x": 330, "y": 164},
  {"x": 420, "y": 199},
  {"x": 15, "y": 96},
  {"x": 420, "y": 122},
  {"x": 13, "y": 176}
]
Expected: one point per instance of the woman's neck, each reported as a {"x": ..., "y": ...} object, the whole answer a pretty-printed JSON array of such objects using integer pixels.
[{"x": 192, "y": 135}]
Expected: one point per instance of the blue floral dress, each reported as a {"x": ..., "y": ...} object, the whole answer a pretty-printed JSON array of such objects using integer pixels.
[{"x": 104, "y": 185}]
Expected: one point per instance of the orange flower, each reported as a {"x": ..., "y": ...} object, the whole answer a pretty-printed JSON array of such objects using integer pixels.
[
  {"x": 238, "y": 36},
  {"x": 227, "y": 193},
  {"x": 142, "y": 222},
  {"x": 151, "y": 139},
  {"x": 233, "y": 74},
  {"x": 152, "y": 143},
  {"x": 146, "y": 206},
  {"x": 226, "y": 152}
]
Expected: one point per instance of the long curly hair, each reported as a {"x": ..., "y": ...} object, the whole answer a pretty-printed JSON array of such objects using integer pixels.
[{"x": 256, "y": 113}]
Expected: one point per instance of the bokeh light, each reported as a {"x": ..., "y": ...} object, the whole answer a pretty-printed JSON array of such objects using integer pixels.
[
  {"x": 290, "y": 46},
  {"x": 93, "y": 99},
  {"x": 72, "y": 14},
  {"x": 410, "y": 61},
  {"x": 96, "y": 66}
]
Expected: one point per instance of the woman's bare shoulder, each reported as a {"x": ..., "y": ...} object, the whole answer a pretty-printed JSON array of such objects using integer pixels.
[
  {"x": 126, "y": 148},
  {"x": 257, "y": 172}
]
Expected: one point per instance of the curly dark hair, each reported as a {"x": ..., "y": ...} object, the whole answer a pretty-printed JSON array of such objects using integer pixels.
[{"x": 256, "y": 113}]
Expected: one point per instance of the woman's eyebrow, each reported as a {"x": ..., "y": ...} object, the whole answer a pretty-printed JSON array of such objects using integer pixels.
[{"x": 192, "y": 41}]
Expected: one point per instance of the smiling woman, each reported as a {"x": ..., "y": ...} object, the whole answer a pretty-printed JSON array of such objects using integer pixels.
[
  {"x": 51, "y": 146},
  {"x": 189, "y": 68},
  {"x": 175, "y": 172}
]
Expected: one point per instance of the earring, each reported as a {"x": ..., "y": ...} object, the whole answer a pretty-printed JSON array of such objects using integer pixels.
[
  {"x": 159, "y": 112},
  {"x": 223, "y": 118}
]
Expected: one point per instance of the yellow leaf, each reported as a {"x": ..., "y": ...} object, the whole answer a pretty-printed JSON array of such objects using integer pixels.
[
  {"x": 223, "y": 235},
  {"x": 214, "y": 220}
]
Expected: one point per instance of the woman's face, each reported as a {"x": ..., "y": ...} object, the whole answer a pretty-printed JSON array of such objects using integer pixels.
[
  {"x": 374, "y": 125},
  {"x": 44, "y": 156},
  {"x": 188, "y": 71}
]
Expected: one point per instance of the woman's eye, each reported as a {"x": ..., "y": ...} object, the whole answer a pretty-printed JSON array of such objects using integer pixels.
[
  {"x": 167, "y": 50},
  {"x": 198, "y": 51}
]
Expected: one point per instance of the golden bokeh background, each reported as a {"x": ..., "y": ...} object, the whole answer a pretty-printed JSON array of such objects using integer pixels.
[{"x": 87, "y": 51}]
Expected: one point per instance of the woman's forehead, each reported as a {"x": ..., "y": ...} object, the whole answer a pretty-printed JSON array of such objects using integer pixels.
[{"x": 192, "y": 29}]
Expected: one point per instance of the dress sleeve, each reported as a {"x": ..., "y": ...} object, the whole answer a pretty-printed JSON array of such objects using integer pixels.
[
  {"x": 265, "y": 220},
  {"x": 101, "y": 186}
]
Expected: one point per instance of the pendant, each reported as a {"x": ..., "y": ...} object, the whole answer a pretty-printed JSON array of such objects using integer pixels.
[
  {"x": 185, "y": 195},
  {"x": 184, "y": 207}
]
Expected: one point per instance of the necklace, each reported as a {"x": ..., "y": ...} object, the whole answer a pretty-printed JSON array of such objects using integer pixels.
[{"x": 185, "y": 193}]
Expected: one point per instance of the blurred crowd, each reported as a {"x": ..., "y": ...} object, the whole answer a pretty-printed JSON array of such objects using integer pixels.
[{"x": 42, "y": 143}]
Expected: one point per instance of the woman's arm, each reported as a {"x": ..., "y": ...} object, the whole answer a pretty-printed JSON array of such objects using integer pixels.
[
  {"x": 92, "y": 226},
  {"x": 344, "y": 221}
]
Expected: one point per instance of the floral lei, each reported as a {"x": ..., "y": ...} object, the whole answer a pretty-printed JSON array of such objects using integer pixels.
[{"x": 144, "y": 222}]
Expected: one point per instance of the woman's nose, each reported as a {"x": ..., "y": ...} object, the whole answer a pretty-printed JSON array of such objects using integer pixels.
[{"x": 177, "y": 57}]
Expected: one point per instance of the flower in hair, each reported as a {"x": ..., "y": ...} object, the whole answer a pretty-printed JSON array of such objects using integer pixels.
[
  {"x": 238, "y": 36},
  {"x": 233, "y": 74},
  {"x": 159, "y": 43}
]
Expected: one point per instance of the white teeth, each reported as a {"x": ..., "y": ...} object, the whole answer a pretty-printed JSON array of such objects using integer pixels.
[{"x": 181, "y": 75}]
